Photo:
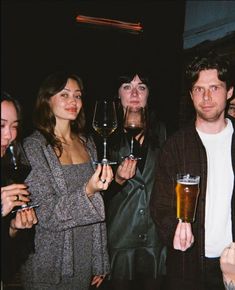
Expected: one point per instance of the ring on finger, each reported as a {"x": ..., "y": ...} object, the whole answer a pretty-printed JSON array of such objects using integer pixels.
[
  {"x": 102, "y": 180},
  {"x": 17, "y": 197}
]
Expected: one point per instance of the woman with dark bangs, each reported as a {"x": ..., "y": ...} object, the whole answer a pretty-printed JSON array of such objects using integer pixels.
[{"x": 136, "y": 253}]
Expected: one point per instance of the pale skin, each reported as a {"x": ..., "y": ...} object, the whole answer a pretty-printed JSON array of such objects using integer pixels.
[
  {"x": 209, "y": 96},
  {"x": 14, "y": 194},
  {"x": 231, "y": 109},
  {"x": 227, "y": 265},
  {"x": 133, "y": 94},
  {"x": 66, "y": 106}
]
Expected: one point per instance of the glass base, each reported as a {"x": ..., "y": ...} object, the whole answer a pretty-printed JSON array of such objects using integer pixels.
[
  {"x": 186, "y": 220},
  {"x": 105, "y": 161},
  {"x": 23, "y": 207},
  {"x": 132, "y": 157}
]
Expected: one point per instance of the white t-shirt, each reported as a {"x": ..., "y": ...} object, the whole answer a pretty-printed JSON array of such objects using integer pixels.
[{"x": 220, "y": 180}]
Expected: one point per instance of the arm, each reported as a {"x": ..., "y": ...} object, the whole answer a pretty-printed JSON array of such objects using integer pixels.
[
  {"x": 163, "y": 197},
  {"x": 227, "y": 265}
]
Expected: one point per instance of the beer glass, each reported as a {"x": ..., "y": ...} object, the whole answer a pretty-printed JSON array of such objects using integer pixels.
[{"x": 187, "y": 191}]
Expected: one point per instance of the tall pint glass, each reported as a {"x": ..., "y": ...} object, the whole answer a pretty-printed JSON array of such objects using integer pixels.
[{"x": 187, "y": 191}]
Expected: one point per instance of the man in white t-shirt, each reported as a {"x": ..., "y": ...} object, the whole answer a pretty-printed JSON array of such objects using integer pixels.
[{"x": 205, "y": 147}]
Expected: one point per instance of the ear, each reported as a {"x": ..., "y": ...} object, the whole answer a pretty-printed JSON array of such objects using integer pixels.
[
  {"x": 230, "y": 93},
  {"x": 191, "y": 95}
]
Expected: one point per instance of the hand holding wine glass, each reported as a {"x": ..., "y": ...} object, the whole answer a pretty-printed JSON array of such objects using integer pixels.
[
  {"x": 13, "y": 195},
  {"x": 105, "y": 123},
  {"x": 134, "y": 122},
  {"x": 100, "y": 180},
  {"x": 24, "y": 219},
  {"x": 16, "y": 170}
]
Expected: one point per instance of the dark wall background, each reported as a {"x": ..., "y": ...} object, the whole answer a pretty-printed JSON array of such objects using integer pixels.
[{"x": 40, "y": 37}]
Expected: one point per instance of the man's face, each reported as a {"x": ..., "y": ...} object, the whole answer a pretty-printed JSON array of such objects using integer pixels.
[{"x": 209, "y": 96}]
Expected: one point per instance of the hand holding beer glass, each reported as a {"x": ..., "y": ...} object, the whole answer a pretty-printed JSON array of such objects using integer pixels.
[{"x": 187, "y": 191}]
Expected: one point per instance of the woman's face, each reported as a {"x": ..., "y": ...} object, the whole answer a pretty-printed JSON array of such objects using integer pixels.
[
  {"x": 231, "y": 108},
  {"x": 9, "y": 125},
  {"x": 133, "y": 94},
  {"x": 67, "y": 103}
]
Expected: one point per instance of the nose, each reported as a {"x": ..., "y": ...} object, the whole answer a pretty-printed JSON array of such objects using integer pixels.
[
  {"x": 7, "y": 134},
  {"x": 207, "y": 95},
  {"x": 134, "y": 92},
  {"x": 72, "y": 100}
]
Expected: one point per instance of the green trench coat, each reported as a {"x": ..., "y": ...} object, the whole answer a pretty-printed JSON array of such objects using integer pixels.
[{"x": 133, "y": 240}]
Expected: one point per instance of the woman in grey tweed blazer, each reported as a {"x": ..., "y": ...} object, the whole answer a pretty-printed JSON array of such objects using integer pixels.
[{"x": 70, "y": 238}]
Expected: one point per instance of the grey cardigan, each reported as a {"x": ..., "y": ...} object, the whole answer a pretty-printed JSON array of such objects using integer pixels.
[{"x": 57, "y": 214}]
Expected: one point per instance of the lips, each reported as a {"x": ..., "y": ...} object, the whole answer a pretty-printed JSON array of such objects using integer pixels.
[
  {"x": 134, "y": 103},
  {"x": 207, "y": 108},
  {"x": 72, "y": 110}
]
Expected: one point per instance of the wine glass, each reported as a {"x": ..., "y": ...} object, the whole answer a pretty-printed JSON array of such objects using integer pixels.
[
  {"x": 134, "y": 122},
  {"x": 17, "y": 168},
  {"x": 105, "y": 123}
]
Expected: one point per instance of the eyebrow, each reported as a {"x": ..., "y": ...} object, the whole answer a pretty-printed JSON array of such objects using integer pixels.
[
  {"x": 140, "y": 83},
  {"x": 16, "y": 121},
  {"x": 77, "y": 90}
]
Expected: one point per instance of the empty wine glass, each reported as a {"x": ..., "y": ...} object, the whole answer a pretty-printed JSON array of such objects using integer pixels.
[
  {"x": 105, "y": 123},
  {"x": 17, "y": 168},
  {"x": 134, "y": 122}
]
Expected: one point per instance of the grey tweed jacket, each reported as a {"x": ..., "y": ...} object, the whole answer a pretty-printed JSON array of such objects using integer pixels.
[{"x": 58, "y": 213}]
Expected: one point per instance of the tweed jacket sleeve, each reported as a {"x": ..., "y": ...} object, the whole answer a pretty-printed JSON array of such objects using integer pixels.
[{"x": 57, "y": 210}]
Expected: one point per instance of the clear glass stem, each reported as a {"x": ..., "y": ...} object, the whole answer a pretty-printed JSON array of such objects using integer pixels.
[
  {"x": 132, "y": 145},
  {"x": 105, "y": 149}
]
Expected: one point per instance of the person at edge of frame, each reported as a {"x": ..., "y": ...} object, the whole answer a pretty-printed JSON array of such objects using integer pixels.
[
  {"x": 16, "y": 239},
  {"x": 204, "y": 147}
]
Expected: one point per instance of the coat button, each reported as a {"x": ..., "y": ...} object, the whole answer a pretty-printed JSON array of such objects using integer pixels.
[
  {"x": 142, "y": 237},
  {"x": 142, "y": 186},
  {"x": 141, "y": 211}
]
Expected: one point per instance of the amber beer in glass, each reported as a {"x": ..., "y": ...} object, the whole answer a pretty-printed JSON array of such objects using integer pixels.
[{"x": 187, "y": 191}]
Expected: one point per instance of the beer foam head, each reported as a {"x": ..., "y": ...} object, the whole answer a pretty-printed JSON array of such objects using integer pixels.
[
  {"x": 187, "y": 182},
  {"x": 188, "y": 179}
]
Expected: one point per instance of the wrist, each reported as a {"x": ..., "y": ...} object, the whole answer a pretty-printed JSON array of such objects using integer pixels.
[
  {"x": 12, "y": 231},
  {"x": 88, "y": 190},
  {"x": 229, "y": 277},
  {"x": 120, "y": 180}
]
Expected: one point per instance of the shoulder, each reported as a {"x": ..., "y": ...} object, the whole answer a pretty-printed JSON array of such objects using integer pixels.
[
  {"x": 34, "y": 142},
  {"x": 35, "y": 137},
  {"x": 187, "y": 132}
]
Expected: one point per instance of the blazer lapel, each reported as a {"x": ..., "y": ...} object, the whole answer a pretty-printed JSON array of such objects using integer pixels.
[{"x": 56, "y": 169}]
